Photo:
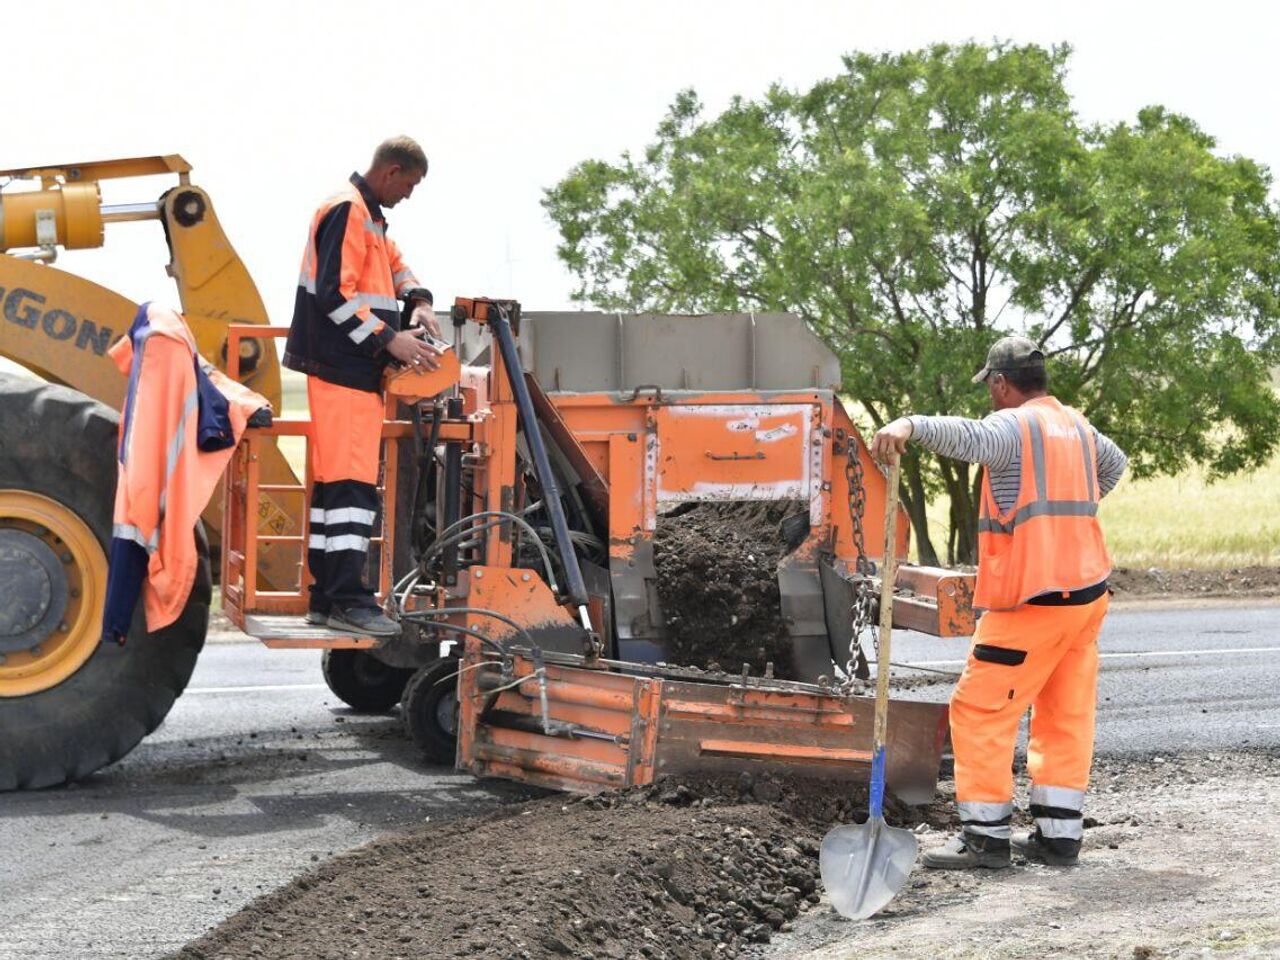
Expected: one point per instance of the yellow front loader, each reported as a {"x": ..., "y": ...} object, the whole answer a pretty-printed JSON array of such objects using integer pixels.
[{"x": 67, "y": 704}]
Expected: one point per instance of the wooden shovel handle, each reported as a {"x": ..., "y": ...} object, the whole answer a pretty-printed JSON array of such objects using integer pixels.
[{"x": 888, "y": 570}]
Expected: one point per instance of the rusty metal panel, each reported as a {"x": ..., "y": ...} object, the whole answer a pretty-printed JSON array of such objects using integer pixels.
[
  {"x": 711, "y": 729},
  {"x": 622, "y": 726}
]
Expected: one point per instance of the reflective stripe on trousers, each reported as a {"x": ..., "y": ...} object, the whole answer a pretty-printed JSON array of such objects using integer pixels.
[
  {"x": 1057, "y": 811},
  {"x": 987, "y": 819}
]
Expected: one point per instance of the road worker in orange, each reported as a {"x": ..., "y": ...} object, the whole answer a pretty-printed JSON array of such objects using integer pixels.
[
  {"x": 1042, "y": 580},
  {"x": 346, "y": 330}
]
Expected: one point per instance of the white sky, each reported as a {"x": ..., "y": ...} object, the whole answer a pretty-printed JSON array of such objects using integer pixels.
[{"x": 274, "y": 103}]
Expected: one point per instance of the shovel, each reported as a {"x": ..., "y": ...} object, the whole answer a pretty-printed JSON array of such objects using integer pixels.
[{"x": 865, "y": 865}]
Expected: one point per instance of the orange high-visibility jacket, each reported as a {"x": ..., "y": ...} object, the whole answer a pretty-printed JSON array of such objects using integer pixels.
[
  {"x": 179, "y": 427},
  {"x": 1050, "y": 539},
  {"x": 346, "y": 308}
]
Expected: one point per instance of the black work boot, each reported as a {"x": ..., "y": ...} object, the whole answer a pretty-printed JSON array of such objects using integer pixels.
[
  {"x": 967, "y": 851},
  {"x": 366, "y": 621},
  {"x": 317, "y": 618},
  {"x": 1055, "y": 851}
]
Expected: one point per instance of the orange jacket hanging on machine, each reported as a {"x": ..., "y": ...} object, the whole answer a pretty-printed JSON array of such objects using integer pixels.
[
  {"x": 1049, "y": 541},
  {"x": 180, "y": 424},
  {"x": 346, "y": 309}
]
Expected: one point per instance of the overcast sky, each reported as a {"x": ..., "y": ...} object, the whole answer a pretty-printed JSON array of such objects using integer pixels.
[{"x": 275, "y": 103}]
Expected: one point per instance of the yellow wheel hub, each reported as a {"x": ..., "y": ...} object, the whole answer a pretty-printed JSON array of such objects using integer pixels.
[{"x": 53, "y": 580}]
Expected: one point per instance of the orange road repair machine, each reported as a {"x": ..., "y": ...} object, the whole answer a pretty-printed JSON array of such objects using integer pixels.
[{"x": 516, "y": 549}]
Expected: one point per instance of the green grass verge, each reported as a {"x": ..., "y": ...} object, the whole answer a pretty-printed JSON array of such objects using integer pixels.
[{"x": 1183, "y": 522}]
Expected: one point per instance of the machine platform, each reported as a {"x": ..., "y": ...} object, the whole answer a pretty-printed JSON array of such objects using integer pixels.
[{"x": 280, "y": 631}]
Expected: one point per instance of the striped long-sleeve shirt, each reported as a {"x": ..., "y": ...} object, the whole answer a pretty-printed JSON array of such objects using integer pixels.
[{"x": 996, "y": 442}]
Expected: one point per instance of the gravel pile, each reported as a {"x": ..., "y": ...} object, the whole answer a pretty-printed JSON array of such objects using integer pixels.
[{"x": 674, "y": 871}]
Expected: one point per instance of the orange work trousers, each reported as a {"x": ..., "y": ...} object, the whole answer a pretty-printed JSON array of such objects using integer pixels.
[
  {"x": 1045, "y": 658},
  {"x": 345, "y": 448}
]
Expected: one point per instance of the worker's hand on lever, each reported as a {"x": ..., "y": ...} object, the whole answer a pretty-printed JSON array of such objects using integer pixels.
[
  {"x": 409, "y": 348},
  {"x": 890, "y": 441},
  {"x": 424, "y": 316}
]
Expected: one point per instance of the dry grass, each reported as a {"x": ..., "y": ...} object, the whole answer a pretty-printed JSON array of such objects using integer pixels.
[{"x": 1183, "y": 522}]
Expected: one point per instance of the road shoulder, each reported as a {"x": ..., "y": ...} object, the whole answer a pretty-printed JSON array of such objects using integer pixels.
[{"x": 1180, "y": 862}]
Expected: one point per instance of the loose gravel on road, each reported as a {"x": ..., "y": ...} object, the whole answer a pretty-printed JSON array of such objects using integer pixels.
[{"x": 1176, "y": 860}]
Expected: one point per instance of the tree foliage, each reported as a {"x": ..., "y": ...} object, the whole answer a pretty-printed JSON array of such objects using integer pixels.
[{"x": 917, "y": 206}]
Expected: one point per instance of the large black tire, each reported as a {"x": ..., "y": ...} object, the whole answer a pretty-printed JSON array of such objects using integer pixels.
[
  {"x": 60, "y": 444},
  {"x": 430, "y": 710},
  {"x": 362, "y": 682}
]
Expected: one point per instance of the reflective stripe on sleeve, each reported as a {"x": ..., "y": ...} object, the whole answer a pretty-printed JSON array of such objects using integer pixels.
[
  {"x": 378, "y": 301},
  {"x": 374, "y": 227},
  {"x": 316, "y": 542},
  {"x": 361, "y": 333},
  {"x": 345, "y": 312},
  {"x": 127, "y": 531},
  {"x": 175, "y": 445}
]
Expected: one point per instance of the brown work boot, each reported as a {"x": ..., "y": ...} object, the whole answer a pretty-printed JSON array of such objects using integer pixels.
[
  {"x": 967, "y": 852},
  {"x": 1055, "y": 851}
]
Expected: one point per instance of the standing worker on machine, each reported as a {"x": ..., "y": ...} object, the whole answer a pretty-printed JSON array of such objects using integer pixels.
[
  {"x": 1042, "y": 578},
  {"x": 345, "y": 331}
]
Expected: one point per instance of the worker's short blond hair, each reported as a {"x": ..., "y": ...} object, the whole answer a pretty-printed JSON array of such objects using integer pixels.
[{"x": 402, "y": 150}]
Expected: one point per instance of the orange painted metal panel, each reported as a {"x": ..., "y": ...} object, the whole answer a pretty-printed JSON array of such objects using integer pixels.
[{"x": 734, "y": 452}]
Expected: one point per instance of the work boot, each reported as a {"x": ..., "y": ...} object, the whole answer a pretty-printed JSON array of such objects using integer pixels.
[
  {"x": 967, "y": 851},
  {"x": 317, "y": 618},
  {"x": 1055, "y": 851},
  {"x": 366, "y": 621}
]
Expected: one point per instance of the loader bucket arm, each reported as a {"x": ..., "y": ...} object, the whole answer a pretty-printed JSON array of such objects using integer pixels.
[{"x": 59, "y": 325}]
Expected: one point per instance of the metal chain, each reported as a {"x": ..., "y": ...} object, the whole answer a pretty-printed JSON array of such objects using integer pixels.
[{"x": 863, "y": 598}]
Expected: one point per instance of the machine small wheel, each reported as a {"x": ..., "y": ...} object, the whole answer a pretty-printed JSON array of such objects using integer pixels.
[
  {"x": 430, "y": 709},
  {"x": 362, "y": 681}
]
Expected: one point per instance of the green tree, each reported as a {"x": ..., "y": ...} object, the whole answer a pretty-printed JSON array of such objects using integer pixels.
[{"x": 918, "y": 205}]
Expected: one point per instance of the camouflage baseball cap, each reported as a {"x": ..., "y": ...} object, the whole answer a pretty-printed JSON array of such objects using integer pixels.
[{"x": 1011, "y": 353}]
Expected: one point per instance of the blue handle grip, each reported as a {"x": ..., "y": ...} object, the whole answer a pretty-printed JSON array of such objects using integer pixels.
[{"x": 877, "y": 784}]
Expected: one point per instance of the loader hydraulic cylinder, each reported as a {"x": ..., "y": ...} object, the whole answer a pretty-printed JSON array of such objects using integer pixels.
[{"x": 69, "y": 216}]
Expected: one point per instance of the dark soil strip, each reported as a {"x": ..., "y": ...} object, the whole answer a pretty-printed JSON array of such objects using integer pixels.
[
  {"x": 677, "y": 871},
  {"x": 1236, "y": 581}
]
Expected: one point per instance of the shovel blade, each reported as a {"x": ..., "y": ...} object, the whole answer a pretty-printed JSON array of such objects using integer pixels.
[{"x": 864, "y": 866}]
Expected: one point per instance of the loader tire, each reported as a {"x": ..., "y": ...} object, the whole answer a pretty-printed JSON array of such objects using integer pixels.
[
  {"x": 69, "y": 705},
  {"x": 363, "y": 682},
  {"x": 430, "y": 710}
]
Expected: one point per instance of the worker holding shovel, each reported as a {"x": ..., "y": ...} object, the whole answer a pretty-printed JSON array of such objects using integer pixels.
[{"x": 1042, "y": 580}]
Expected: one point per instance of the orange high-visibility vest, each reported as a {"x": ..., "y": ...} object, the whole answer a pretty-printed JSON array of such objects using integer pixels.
[
  {"x": 165, "y": 479},
  {"x": 1050, "y": 540}
]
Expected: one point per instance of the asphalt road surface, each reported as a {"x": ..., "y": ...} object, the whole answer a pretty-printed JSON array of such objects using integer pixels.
[{"x": 259, "y": 771}]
